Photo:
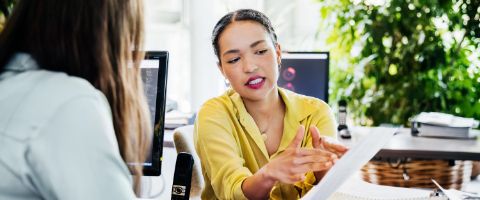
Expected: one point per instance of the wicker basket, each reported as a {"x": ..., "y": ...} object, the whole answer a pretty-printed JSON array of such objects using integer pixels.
[
  {"x": 475, "y": 169},
  {"x": 418, "y": 173}
]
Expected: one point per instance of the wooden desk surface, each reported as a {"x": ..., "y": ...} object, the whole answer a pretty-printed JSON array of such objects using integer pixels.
[{"x": 404, "y": 145}]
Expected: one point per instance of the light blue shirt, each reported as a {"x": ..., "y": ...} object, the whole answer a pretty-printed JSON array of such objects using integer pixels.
[{"x": 56, "y": 138}]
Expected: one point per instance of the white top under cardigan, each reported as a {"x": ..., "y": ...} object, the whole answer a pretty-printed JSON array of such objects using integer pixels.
[{"x": 56, "y": 138}]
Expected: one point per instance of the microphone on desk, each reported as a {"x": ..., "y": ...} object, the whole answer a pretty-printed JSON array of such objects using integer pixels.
[
  {"x": 182, "y": 177},
  {"x": 342, "y": 120}
]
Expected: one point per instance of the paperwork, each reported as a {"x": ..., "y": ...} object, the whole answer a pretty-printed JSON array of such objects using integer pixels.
[
  {"x": 350, "y": 163},
  {"x": 357, "y": 189}
]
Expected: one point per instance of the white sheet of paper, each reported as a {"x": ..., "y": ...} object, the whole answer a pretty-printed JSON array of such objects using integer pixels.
[
  {"x": 451, "y": 193},
  {"x": 355, "y": 188},
  {"x": 350, "y": 163}
]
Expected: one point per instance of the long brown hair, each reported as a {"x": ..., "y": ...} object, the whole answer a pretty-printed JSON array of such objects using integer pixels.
[{"x": 95, "y": 40}]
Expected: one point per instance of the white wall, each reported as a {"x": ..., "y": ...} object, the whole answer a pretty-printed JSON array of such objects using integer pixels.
[
  {"x": 184, "y": 28},
  {"x": 206, "y": 80}
]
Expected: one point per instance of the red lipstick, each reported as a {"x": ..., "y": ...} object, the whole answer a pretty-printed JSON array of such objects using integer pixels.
[{"x": 255, "y": 82}]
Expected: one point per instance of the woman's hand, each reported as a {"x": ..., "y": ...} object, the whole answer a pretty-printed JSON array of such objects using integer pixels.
[
  {"x": 320, "y": 142},
  {"x": 291, "y": 165}
]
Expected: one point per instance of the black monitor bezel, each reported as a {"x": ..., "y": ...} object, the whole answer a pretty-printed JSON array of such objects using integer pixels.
[
  {"x": 159, "y": 121},
  {"x": 328, "y": 67}
]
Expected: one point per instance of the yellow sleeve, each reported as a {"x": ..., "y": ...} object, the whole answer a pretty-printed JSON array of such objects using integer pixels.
[
  {"x": 304, "y": 186},
  {"x": 324, "y": 120},
  {"x": 218, "y": 151}
]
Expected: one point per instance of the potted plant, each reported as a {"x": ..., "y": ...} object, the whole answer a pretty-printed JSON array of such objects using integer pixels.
[
  {"x": 6, "y": 7},
  {"x": 395, "y": 59}
]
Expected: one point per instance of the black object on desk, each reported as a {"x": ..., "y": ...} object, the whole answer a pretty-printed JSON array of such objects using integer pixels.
[
  {"x": 342, "y": 120},
  {"x": 182, "y": 178}
]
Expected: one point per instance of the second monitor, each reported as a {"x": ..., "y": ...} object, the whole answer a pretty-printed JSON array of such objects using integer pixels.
[
  {"x": 305, "y": 73},
  {"x": 154, "y": 70}
]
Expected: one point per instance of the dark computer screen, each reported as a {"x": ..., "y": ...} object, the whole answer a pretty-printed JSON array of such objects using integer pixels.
[
  {"x": 305, "y": 73},
  {"x": 154, "y": 70}
]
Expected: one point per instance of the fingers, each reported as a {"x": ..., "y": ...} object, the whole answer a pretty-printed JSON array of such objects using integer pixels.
[
  {"x": 291, "y": 165},
  {"x": 317, "y": 140},
  {"x": 295, "y": 161},
  {"x": 322, "y": 142},
  {"x": 314, "y": 159},
  {"x": 316, "y": 167},
  {"x": 311, "y": 167},
  {"x": 293, "y": 179},
  {"x": 334, "y": 147},
  {"x": 318, "y": 152},
  {"x": 298, "y": 172},
  {"x": 297, "y": 141},
  {"x": 283, "y": 172},
  {"x": 315, "y": 136}
]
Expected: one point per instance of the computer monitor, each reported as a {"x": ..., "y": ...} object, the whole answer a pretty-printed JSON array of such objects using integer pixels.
[
  {"x": 154, "y": 70},
  {"x": 305, "y": 73}
]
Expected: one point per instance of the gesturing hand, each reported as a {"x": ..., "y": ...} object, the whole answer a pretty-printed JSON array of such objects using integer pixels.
[
  {"x": 291, "y": 165},
  {"x": 320, "y": 142}
]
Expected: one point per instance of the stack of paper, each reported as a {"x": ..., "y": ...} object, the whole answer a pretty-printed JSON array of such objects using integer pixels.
[
  {"x": 435, "y": 124},
  {"x": 443, "y": 119}
]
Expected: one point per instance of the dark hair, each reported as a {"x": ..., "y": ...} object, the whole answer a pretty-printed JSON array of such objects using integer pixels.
[
  {"x": 241, "y": 15},
  {"x": 94, "y": 40}
]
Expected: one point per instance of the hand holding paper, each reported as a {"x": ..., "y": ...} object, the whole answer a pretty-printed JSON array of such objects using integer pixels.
[{"x": 350, "y": 163}]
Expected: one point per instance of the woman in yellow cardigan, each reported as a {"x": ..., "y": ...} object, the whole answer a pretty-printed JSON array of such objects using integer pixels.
[{"x": 257, "y": 140}]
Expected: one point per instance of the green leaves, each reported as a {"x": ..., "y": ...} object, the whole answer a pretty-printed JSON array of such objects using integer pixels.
[
  {"x": 394, "y": 59},
  {"x": 6, "y": 7}
]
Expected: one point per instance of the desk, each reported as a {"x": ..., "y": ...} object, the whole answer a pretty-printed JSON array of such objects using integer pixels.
[{"x": 404, "y": 145}]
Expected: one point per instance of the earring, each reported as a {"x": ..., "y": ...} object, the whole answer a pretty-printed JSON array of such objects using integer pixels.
[{"x": 227, "y": 83}]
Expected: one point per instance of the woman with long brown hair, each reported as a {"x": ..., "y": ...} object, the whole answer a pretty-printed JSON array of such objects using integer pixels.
[{"x": 72, "y": 110}]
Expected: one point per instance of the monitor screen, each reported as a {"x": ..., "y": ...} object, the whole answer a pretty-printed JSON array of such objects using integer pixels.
[
  {"x": 154, "y": 70},
  {"x": 305, "y": 73}
]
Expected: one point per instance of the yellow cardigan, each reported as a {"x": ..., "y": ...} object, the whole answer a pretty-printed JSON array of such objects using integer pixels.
[{"x": 231, "y": 147}]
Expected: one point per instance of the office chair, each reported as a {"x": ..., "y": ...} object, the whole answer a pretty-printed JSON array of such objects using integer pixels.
[{"x": 183, "y": 140}]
